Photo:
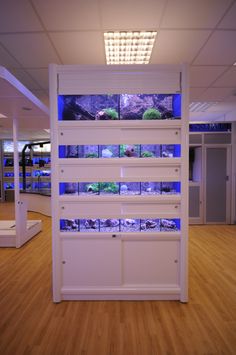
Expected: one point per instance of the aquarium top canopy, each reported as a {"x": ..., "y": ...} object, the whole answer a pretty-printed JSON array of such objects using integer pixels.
[{"x": 129, "y": 47}]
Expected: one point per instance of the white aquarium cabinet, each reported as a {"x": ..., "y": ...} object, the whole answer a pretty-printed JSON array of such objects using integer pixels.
[{"x": 119, "y": 138}]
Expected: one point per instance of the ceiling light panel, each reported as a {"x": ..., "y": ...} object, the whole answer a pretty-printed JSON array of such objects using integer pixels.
[{"x": 128, "y": 47}]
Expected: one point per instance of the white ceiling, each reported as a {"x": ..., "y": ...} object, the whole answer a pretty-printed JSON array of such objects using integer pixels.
[
  {"x": 34, "y": 33},
  {"x": 16, "y": 101}
]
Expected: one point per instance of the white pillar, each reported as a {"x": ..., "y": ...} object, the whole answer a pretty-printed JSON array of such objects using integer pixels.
[
  {"x": 16, "y": 181},
  {"x": 20, "y": 207}
]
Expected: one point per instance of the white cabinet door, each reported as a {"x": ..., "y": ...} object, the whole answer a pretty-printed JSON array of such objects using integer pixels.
[
  {"x": 150, "y": 263},
  {"x": 91, "y": 262}
]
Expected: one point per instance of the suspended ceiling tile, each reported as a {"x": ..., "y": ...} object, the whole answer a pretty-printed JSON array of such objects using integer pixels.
[
  {"x": 18, "y": 16},
  {"x": 206, "y": 116},
  {"x": 131, "y": 15},
  {"x": 204, "y": 76},
  {"x": 229, "y": 20},
  {"x": 196, "y": 94},
  {"x": 89, "y": 48},
  {"x": 222, "y": 107},
  {"x": 40, "y": 75},
  {"x": 194, "y": 14},
  {"x": 25, "y": 79},
  {"x": 215, "y": 94},
  {"x": 30, "y": 49},
  {"x": 14, "y": 106},
  {"x": 219, "y": 50},
  {"x": 6, "y": 60},
  {"x": 181, "y": 46},
  {"x": 231, "y": 98},
  {"x": 228, "y": 79},
  {"x": 68, "y": 15},
  {"x": 42, "y": 95}
]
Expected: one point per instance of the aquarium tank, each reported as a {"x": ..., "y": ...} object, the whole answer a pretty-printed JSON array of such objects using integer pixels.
[
  {"x": 69, "y": 225},
  {"x": 126, "y": 225},
  {"x": 119, "y": 107},
  {"x": 119, "y": 188}
]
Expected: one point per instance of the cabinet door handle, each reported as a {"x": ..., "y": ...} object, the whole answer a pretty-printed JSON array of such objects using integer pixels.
[{"x": 113, "y": 235}]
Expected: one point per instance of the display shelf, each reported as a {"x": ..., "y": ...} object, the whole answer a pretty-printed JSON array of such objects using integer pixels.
[
  {"x": 119, "y": 213},
  {"x": 35, "y": 176}
]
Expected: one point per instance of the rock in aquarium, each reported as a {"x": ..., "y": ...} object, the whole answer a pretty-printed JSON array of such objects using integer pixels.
[
  {"x": 90, "y": 223},
  {"x": 148, "y": 224},
  {"x": 168, "y": 224},
  {"x": 123, "y": 188},
  {"x": 106, "y": 153},
  {"x": 129, "y": 222},
  {"x": 111, "y": 223}
]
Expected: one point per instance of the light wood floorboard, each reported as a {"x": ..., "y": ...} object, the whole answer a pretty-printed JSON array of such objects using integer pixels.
[{"x": 31, "y": 324}]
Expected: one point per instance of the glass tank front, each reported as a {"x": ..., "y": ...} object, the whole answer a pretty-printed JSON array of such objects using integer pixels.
[
  {"x": 89, "y": 225},
  {"x": 69, "y": 225},
  {"x": 119, "y": 107},
  {"x": 130, "y": 188},
  {"x": 122, "y": 151},
  {"x": 129, "y": 225},
  {"x": 88, "y": 188},
  {"x": 109, "y": 188},
  {"x": 88, "y": 151},
  {"x": 150, "y": 151},
  {"x": 169, "y": 225},
  {"x": 113, "y": 225},
  {"x": 150, "y": 225},
  {"x": 150, "y": 188},
  {"x": 119, "y": 188},
  {"x": 72, "y": 151},
  {"x": 109, "y": 151},
  {"x": 129, "y": 150},
  {"x": 170, "y": 188},
  {"x": 109, "y": 225}
]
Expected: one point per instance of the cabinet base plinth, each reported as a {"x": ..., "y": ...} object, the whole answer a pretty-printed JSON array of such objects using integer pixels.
[{"x": 120, "y": 294}]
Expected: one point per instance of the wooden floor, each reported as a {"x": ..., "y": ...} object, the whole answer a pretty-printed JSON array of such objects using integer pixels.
[{"x": 31, "y": 324}]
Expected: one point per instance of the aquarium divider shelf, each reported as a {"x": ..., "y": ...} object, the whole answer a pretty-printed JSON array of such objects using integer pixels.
[
  {"x": 119, "y": 132},
  {"x": 104, "y": 265}
]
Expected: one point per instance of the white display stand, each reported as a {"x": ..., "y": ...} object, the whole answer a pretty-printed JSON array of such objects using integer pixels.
[
  {"x": 119, "y": 266},
  {"x": 8, "y": 232},
  {"x": 37, "y": 203},
  {"x": 14, "y": 97}
]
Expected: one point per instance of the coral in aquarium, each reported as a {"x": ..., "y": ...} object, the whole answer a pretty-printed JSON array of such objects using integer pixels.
[
  {"x": 94, "y": 187},
  {"x": 147, "y": 154},
  {"x": 151, "y": 114},
  {"x": 109, "y": 187},
  {"x": 91, "y": 155},
  {"x": 107, "y": 114}
]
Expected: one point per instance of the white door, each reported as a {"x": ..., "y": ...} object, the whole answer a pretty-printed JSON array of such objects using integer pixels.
[{"x": 217, "y": 185}]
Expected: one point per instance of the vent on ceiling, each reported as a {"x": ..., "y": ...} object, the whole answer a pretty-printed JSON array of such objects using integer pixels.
[{"x": 201, "y": 106}]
